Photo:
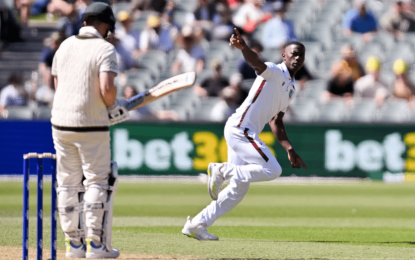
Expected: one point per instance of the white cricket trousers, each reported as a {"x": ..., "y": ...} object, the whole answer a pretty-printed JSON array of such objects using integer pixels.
[
  {"x": 83, "y": 159},
  {"x": 249, "y": 160}
]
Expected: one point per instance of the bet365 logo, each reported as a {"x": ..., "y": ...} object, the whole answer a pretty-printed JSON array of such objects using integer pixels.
[{"x": 368, "y": 155}]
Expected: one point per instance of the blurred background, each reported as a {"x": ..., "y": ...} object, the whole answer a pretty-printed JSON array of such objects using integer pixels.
[{"x": 353, "y": 114}]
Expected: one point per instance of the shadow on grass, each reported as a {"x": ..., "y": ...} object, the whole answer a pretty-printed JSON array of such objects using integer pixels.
[{"x": 341, "y": 242}]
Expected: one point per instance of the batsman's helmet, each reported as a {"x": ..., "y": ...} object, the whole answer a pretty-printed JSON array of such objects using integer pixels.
[{"x": 103, "y": 12}]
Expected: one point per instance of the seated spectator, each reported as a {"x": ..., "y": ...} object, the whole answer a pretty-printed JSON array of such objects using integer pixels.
[
  {"x": 71, "y": 14},
  {"x": 370, "y": 86},
  {"x": 359, "y": 20},
  {"x": 278, "y": 31},
  {"x": 213, "y": 85},
  {"x": 125, "y": 60},
  {"x": 159, "y": 35},
  {"x": 191, "y": 57},
  {"x": 46, "y": 57},
  {"x": 226, "y": 107},
  {"x": 13, "y": 94},
  {"x": 349, "y": 60},
  {"x": 244, "y": 68},
  {"x": 344, "y": 73},
  {"x": 44, "y": 95},
  {"x": 150, "y": 5},
  {"x": 235, "y": 82},
  {"x": 206, "y": 14},
  {"x": 129, "y": 38},
  {"x": 398, "y": 20},
  {"x": 403, "y": 87},
  {"x": 249, "y": 15},
  {"x": 233, "y": 4},
  {"x": 144, "y": 113},
  {"x": 24, "y": 7},
  {"x": 9, "y": 27},
  {"x": 224, "y": 29}
]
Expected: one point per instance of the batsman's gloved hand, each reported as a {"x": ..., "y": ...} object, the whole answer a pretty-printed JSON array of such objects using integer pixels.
[{"x": 117, "y": 113}]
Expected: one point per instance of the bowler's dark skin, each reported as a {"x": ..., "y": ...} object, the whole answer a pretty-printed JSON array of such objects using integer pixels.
[{"x": 293, "y": 56}]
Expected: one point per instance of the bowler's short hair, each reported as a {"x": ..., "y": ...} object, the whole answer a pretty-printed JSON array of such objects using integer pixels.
[{"x": 299, "y": 44}]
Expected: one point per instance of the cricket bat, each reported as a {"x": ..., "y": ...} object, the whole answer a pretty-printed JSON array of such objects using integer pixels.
[{"x": 165, "y": 87}]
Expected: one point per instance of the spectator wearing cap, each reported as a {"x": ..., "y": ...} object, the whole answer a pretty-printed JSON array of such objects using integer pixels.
[
  {"x": 403, "y": 87},
  {"x": 398, "y": 20},
  {"x": 51, "y": 46},
  {"x": 191, "y": 56},
  {"x": 249, "y": 15},
  {"x": 244, "y": 68},
  {"x": 370, "y": 86},
  {"x": 159, "y": 35},
  {"x": 129, "y": 38},
  {"x": 13, "y": 94},
  {"x": 359, "y": 20},
  {"x": 278, "y": 31},
  {"x": 226, "y": 106},
  {"x": 211, "y": 86}
]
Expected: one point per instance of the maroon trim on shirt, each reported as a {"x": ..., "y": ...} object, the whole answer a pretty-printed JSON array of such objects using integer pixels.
[
  {"x": 252, "y": 141},
  {"x": 255, "y": 97}
]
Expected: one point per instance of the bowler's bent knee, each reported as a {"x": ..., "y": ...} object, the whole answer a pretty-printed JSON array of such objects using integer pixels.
[{"x": 274, "y": 170}]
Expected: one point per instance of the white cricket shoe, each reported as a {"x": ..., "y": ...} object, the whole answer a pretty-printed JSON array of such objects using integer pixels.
[
  {"x": 99, "y": 251},
  {"x": 197, "y": 231},
  {"x": 73, "y": 250},
  {"x": 215, "y": 179}
]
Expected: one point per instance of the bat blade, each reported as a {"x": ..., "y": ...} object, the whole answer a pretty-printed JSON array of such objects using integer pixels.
[{"x": 165, "y": 87}]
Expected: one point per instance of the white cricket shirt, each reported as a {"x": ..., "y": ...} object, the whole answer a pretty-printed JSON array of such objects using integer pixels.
[
  {"x": 77, "y": 64},
  {"x": 270, "y": 94}
]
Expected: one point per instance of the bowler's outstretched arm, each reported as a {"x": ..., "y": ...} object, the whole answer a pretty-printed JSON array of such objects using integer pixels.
[{"x": 250, "y": 56}]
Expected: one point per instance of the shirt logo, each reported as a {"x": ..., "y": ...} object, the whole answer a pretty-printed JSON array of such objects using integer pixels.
[
  {"x": 291, "y": 93},
  {"x": 283, "y": 83},
  {"x": 113, "y": 65}
]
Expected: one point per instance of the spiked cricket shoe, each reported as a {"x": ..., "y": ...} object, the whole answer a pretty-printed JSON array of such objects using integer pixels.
[
  {"x": 74, "y": 250},
  {"x": 197, "y": 231},
  {"x": 215, "y": 179},
  {"x": 94, "y": 251}
]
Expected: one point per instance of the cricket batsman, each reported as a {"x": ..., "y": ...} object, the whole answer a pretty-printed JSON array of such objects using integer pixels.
[
  {"x": 84, "y": 68},
  {"x": 249, "y": 159}
]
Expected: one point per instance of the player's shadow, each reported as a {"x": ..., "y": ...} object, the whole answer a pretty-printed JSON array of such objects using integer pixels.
[{"x": 385, "y": 242}]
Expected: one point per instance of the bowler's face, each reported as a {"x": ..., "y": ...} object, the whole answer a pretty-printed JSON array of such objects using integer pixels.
[{"x": 294, "y": 57}]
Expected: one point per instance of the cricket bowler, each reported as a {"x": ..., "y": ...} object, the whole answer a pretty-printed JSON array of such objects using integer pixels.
[
  {"x": 249, "y": 159},
  {"x": 84, "y": 107}
]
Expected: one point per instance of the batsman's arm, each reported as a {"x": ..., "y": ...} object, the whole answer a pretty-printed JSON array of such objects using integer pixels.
[
  {"x": 107, "y": 88},
  {"x": 278, "y": 129},
  {"x": 250, "y": 56}
]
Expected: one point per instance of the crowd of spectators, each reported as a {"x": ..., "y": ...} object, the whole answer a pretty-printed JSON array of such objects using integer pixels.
[
  {"x": 349, "y": 79},
  {"x": 147, "y": 25}
]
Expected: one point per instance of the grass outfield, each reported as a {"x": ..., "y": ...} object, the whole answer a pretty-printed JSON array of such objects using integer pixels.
[{"x": 349, "y": 221}]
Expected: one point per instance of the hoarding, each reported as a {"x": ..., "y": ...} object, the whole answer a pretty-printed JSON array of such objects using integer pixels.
[{"x": 149, "y": 148}]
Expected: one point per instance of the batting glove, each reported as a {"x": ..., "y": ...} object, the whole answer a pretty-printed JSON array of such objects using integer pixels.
[{"x": 117, "y": 113}]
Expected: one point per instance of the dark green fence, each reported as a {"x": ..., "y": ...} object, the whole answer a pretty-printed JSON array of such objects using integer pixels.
[{"x": 328, "y": 150}]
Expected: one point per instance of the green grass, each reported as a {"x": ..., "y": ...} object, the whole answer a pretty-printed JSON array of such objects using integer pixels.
[{"x": 350, "y": 221}]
